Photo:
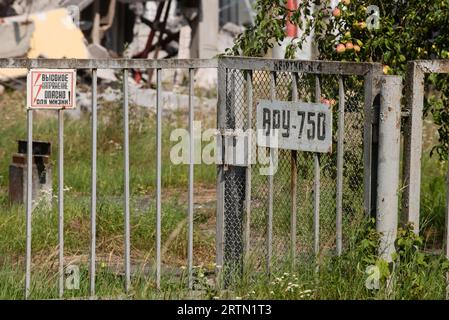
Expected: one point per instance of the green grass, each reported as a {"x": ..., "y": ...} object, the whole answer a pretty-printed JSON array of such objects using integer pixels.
[
  {"x": 433, "y": 191},
  {"x": 327, "y": 277}
]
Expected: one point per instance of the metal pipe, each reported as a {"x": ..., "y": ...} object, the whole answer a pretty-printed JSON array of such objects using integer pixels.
[
  {"x": 191, "y": 175},
  {"x": 249, "y": 96},
  {"x": 221, "y": 124},
  {"x": 29, "y": 207},
  {"x": 294, "y": 180},
  {"x": 61, "y": 200},
  {"x": 158, "y": 177},
  {"x": 126, "y": 178},
  {"x": 93, "y": 203},
  {"x": 316, "y": 193},
  {"x": 292, "y": 29},
  {"x": 340, "y": 159}
]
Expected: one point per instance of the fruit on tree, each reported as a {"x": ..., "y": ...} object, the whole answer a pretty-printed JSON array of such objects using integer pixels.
[
  {"x": 336, "y": 13},
  {"x": 341, "y": 48}
]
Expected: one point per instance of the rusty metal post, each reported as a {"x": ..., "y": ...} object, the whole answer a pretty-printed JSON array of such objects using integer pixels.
[{"x": 388, "y": 164}]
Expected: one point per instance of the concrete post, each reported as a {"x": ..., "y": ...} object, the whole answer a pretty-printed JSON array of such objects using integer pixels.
[{"x": 388, "y": 164}]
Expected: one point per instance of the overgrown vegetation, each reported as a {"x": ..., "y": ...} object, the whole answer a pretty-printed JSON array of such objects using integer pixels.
[{"x": 403, "y": 31}]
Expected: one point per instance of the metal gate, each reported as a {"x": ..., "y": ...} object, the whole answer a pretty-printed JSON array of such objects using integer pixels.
[{"x": 313, "y": 200}]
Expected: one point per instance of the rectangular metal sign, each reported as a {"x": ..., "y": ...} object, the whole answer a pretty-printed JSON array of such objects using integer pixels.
[
  {"x": 51, "y": 89},
  {"x": 294, "y": 126}
]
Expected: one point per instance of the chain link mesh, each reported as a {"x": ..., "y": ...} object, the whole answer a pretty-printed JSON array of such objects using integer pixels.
[{"x": 235, "y": 178}]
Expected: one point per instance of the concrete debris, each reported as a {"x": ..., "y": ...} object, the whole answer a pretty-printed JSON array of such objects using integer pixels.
[
  {"x": 228, "y": 33},
  {"x": 232, "y": 29},
  {"x": 171, "y": 101},
  {"x": 183, "y": 52},
  {"x": 24, "y": 7},
  {"x": 97, "y": 51},
  {"x": 207, "y": 78},
  {"x": 107, "y": 75},
  {"x": 15, "y": 37},
  {"x": 55, "y": 36}
]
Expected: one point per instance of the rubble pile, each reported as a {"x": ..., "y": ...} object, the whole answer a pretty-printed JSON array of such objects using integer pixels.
[{"x": 112, "y": 29}]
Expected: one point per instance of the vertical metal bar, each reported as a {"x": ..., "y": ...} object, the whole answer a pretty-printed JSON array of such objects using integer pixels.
[
  {"x": 316, "y": 203},
  {"x": 249, "y": 96},
  {"x": 270, "y": 187},
  {"x": 126, "y": 169},
  {"x": 93, "y": 203},
  {"x": 413, "y": 145},
  {"x": 191, "y": 176},
  {"x": 388, "y": 165},
  {"x": 316, "y": 193},
  {"x": 340, "y": 159},
  {"x": 61, "y": 200},
  {"x": 294, "y": 179},
  {"x": 221, "y": 124},
  {"x": 158, "y": 176},
  {"x": 29, "y": 206}
]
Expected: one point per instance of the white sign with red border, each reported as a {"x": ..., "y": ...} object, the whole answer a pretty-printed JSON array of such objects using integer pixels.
[{"x": 51, "y": 89}]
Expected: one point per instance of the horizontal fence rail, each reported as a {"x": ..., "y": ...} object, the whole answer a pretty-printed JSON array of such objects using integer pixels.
[{"x": 108, "y": 63}]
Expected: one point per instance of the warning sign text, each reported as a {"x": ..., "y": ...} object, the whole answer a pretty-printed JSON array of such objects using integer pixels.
[{"x": 51, "y": 89}]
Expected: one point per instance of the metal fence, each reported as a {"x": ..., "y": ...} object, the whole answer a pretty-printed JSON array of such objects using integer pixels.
[
  {"x": 308, "y": 205},
  {"x": 413, "y": 140},
  {"x": 92, "y": 66}
]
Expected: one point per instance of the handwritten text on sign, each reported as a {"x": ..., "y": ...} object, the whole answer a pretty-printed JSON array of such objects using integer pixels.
[{"x": 51, "y": 89}]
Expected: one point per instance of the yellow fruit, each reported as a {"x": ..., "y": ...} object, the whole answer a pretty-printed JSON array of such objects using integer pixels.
[
  {"x": 349, "y": 46},
  {"x": 357, "y": 48}
]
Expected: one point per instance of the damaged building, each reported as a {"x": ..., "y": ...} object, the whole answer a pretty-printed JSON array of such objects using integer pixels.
[{"x": 110, "y": 27}]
